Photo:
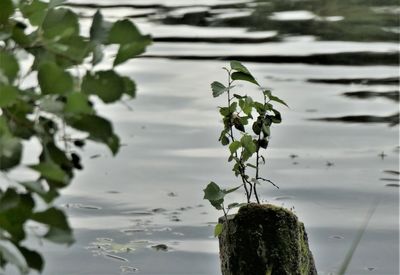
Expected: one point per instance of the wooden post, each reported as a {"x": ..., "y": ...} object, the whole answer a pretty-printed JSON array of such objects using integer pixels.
[{"x": 264, "y": 239}]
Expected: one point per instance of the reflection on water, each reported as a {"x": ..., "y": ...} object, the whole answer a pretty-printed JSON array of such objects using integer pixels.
[{"x": 309, "y": 52}]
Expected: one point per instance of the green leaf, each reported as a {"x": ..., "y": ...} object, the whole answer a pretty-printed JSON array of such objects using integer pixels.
[
  {"x": 60, "y": 24},
  {"x": 8, "y": 199},
  {"x": 99, "y": 129},
  {"x": 52, "y": 105},
  {"x": 6, "y": 10},
  {"x": 8, "y": 95},
  {"x": 227, "y": 191},
  {"x": 8, "y": 67},
  {"x": 35, "y": 11},
  {"x": 10, "y": 151},
  {"x": 128, "y": 51},
  {"x": 54, "y": 80},
  {"x": 266, "y": 130},
  {"x": 248, "y": 144},
  {"x": 244, "y": 77},
  {"x": 59, "y": 231},
  {"x": 107, "y": 85},
  {"x": 78, "y": 103},
  {"x": 234, "y": 146},
  {"x": 98, "y": 35},
  {"x": 218, "y": 229},
  {"x": 218, "y": 88},
  {"x": 124, "y": 32},
  {"x": 277, "y": 99},
  {"x": 129, "y": 87},
  {"x": 55, "y": 3},
  {"x": 71, "y": 51},
  {"x": 33, "y": 259},
  {"x": 213, "y": 192},
  {"x": 11, "y": 254},
  {"x": 100, "y": 29},
  {"x": 51, "y": 171},
  {"x": 237, "y": 66}
]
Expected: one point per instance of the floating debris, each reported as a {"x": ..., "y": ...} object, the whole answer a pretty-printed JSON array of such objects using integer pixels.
[
  {"x": 382, "y": 155},
  {"x": 81, "y": 206},
  {"x": 160, "y": 247},
  {"x": 158, "y": 210},
  {"x": 329, "y": 163},
  {"x": 128, "y": 269},
  {"x": 172, "y": 194},
  {"x": 95, "y": 156},
  {"x": 138, "y": 213},
  {"x": 116, "y": 257},
  {"x": 132, "y": 231},
  {"x": 370, "y": 268},
  {"x": 113, "y": 192},
  {"x": 293, "y": 156},
  {"x": 336, "y": 237},
  {"x": 283, "y": 198},
  {"x": 175, "y": 219}
]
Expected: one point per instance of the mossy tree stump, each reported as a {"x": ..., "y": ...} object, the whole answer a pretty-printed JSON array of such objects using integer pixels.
[{"x": 264, "y": 239}]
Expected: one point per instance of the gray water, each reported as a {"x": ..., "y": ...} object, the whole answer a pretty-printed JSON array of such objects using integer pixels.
[{"x": 151, "y": 192}]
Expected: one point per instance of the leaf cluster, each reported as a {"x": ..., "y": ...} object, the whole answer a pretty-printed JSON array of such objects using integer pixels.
[
  {"x": 246, "y": 131},
  {"x": 58, "y": 111}
]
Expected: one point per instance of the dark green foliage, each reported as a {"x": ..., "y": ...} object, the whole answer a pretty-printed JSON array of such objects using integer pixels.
[
  {"x": 247, "y": 130},
  {"x": 52, "y": 110}
]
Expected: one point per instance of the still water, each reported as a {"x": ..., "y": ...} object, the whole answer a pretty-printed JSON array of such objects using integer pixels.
[{"x": 335, "y": 154}]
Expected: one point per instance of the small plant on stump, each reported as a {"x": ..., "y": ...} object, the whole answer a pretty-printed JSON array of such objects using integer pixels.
[{"x": 247, "y": 131}]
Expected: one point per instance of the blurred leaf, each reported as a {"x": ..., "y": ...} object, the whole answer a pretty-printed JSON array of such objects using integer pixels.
[
  {"x": 51, "y": 171},
  {"x": 50, "y": 104},
  {"x": 55, "y": 3},
  {"x": 218, "y": 229},
  {"x": 54, "y": 80},
  {"x": 99, "y": 129},
  {"x": 107, "y": 85},
  {"x": 213, "y": 192},
  {"x": 35, "y": 11},
  {"x": 78, "y": 103},
  {"x": 33, "y": 259},
  {"x": 60, "y": 24},
  {"x": 11, "y": 254},
  {"x": 99, "y": 29},
  {"x": 59, "y": 230},
  {"x": 6, "y": 10},
  {"x": 8, "y": 67},
  {"x": 10, "y": 151},
  {"x": 8, "y": 95},
  {"x": 8, "y": 199},
  {"x": 244, "y": 77}
]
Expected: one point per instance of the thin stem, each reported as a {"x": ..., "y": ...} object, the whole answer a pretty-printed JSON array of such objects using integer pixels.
[{"x": 230, "y": 133}]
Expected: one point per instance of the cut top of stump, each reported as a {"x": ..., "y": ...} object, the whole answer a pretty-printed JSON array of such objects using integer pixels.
[{"x": 264, "y": 239}]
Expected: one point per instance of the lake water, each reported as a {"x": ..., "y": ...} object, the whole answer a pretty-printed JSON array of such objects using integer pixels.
[{"x": 345, "y": 147}]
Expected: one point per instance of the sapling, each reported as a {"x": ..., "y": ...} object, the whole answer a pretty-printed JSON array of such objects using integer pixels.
[{"x": 246, "y": 132}]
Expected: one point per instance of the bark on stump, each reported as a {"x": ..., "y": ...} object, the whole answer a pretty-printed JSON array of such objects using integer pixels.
[{"x": 264, "y": 239}]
